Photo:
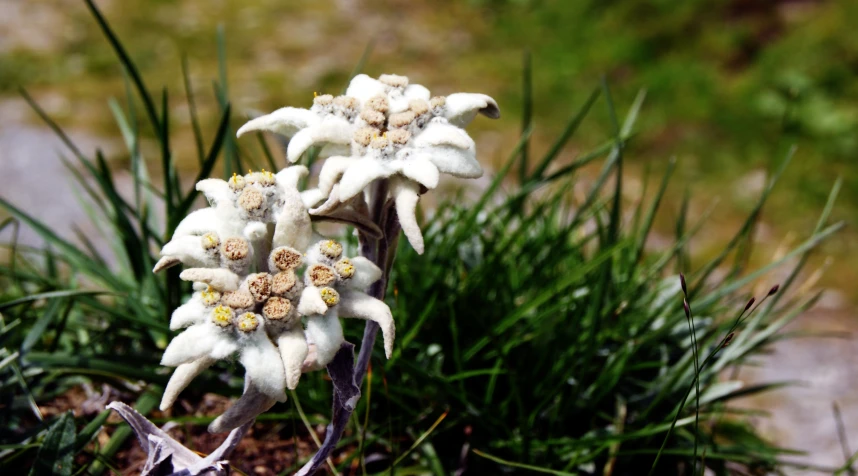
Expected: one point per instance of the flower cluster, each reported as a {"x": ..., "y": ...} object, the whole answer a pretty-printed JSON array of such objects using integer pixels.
[
  {"x": 268, "y": 291},
  {"x": 249, "y": 302},
  {"x": 383, "y": 128}
]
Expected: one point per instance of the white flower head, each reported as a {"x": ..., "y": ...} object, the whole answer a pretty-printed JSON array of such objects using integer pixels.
[
  {"x": 400, "y": 133},
  {"x": 335, "y": 287},
  {"x": 241, "y": 208},
  {"x": 235, "y": 312}
]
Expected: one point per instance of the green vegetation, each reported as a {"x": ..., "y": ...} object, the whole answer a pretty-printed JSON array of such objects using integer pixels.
[{"x": 535, "y": 333}]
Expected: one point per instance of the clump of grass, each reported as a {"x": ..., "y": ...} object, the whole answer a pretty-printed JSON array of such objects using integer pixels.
[{"x": 537, "y": 333}]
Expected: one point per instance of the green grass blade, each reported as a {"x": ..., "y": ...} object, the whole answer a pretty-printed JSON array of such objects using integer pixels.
[
  {"x": 129, "y": 66},
  {"x": 526, "y": 113},
  {"x": 56, "y": 455}
]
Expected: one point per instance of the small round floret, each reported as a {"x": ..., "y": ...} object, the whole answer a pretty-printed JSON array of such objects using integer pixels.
[
  {"x": 222, "y": 316},
  {"x": 331, "y": 248},
  {"x": 237, "y": 182},
  {"x": 248, "y": 322},
  {"x": 399, "y": 136},
  {"x": 251, "y": 199},
  {"x": 323, "y": 100},
  {"x": 401, "y": 119},
  {"x": 210, "y": 296},
  {"x": 238, "y": 299},
  {"x": 377, "y": 103},
  {"x": 276, "y": 308},
  {"x": 364, "y": 135},
  {"x": 394, "y": 80},
  {"x": 330, "y": 296},
  {"x": 235, "y": 249},
  {"x": 372, "y": 117},
  {"x": 210, "y": 241},
  {"x": 321, "y": 275},
  {"x": 259, "y": 286},
  {"x": 285, "y": 258},
  {"x": 379, "y": 143},
  {"x": 283, "y": 282},
  {"x": 345, "y": 268}
]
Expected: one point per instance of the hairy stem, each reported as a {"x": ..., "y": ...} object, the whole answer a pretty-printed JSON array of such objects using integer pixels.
[{"x": 381, "y": 252}]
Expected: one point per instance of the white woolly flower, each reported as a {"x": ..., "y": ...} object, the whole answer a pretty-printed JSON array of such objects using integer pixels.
[
  {"x": 400, "y": 133},
  {"x": 335, "y": 287},
  {"x": 235, "y": 312},
  {"x": 254, "y": 317},
  {"x": 243, "y": 207}
]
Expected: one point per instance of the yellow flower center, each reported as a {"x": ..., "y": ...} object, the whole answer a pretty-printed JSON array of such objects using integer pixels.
[
  {"x": 210, "y": 297},
  {"x": 210, "y": 241},
  {"x": 345, "y": 268},
  {"x": 332, "y": 249},
  {"x": 248, "y": 322},
  {"x": 237, "y": 182},
  {"x": 222, "y": 316},
  {"x": 330, "y": 296}
]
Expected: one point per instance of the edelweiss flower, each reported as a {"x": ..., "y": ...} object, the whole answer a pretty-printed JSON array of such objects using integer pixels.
[
  {"x": 234, "y": 311},
  {"x": 399, "y": 133},
  {"x": 242, "y": 207},
  {"x": 255, "y": 317},
  {"x": 334, "y": 288}
]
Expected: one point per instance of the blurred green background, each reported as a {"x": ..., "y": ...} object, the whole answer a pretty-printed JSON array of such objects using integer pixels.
[{"x": 731, "y": 83}]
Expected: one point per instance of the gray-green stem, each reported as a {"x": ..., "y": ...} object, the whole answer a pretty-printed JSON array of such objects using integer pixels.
[{"x": 347, "y": 384}]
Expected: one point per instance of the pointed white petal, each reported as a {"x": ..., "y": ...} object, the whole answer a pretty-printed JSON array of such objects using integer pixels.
[
  {"x": 360, "y": 174},
  {"x": 215, "y": 190},
  {"x": 417, "y": 91},
  {"x": 292, "y": 345},
  {"x": 419, "y": 169},
  {"x": 332, "y": 203},
  {"x": 312, "y": 197},
  {"x": 218, "y": 278},
  {"x": 293, "y": 227},
  {"x": 263, "y": 365},
  {"x": 405, "y": 193},
  {"x": 198, "y": 222},
  {"x": 285, "y": 121},
  {"x": 331, "y": 172},
  {"x": 461, "y": 108},
  {"x": 439, "y": 133},
  {"x": 204, "y": 340},
  {"x": 363, "y": 87},
  {"x": 249, "y": 406},
  {"x": 192, "y": 312},
  {"x": 366, "y": 273},
  {"x": 181, "y": 378},
  {"x": 165, "y": 262},
  {"x": 189, "y": 250},
  {"x": 451, "y": 160},
  {"x": 326, "y": 333},
  {"x": 289, "y": 177},
  {"x": 362, "y": 306},
  {"x": 311, "y": 302},
  {"x": 332, "y": 130}
]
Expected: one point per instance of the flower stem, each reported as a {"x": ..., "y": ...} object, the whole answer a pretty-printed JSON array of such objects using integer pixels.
[{"x": 381, "y": 252}]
